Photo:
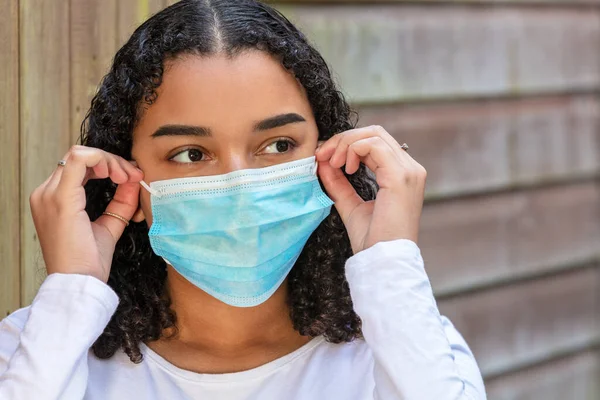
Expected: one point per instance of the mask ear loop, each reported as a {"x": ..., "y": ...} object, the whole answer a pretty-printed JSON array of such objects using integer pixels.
[{"x": 149, "y": 189}]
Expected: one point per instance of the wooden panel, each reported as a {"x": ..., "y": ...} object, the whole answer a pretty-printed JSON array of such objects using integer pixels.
[
  {"x": 9, "y": 157},
  {"x": 482, "y": 240},
  {"x": 441, "y": 2},
  {"x": 93, "y": 45},
  {"x": 476, "y": 147},
  {"x": 45, "y": 120},
  {"x": 131, "y": 13},
  {"x": 395, "y": 53},
  {"x": 573, "y": 377},
  {"x": 518, "y": 325}
]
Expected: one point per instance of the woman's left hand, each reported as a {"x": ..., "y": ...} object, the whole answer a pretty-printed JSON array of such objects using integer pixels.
[{"x": 396, "y": 211}]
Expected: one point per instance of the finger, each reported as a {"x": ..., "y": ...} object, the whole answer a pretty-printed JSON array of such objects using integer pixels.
[
  {"x": 339, "y": 155},
  {"x": 135, "y": 174},
  {"x": 124, "y": 204},
  {"x": 76, "y": 170},
  {"x": 99, "y": 171},
  {"x": 385, "y": 135},
  {"x": 339, "y": 189},
  {"x": 326, "y": 150},
  {"x": 352, "y": 162},
  {"x": 102, "y": 170},
  {"x": 52, "y": 182},
  {"x": 116, "y": 172},
  {"x": 109, "y": 167},
  {"x": 374, "y": 153}
]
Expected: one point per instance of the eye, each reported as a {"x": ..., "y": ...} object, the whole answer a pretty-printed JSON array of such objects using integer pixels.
[
  {"x": 280, "y": 146},
  {"x": 188, "y": 156}
]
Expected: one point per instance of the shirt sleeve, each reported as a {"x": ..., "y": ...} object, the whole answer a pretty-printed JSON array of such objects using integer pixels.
[
  {"x": 44, "y": 349},
  {"x": 418, "y": 353}
]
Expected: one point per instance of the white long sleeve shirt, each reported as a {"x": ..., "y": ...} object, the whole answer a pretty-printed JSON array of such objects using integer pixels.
[{"x": 409, "y": 351}]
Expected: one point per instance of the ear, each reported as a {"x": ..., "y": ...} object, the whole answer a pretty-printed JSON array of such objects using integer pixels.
[{"x": 139, "y": 215}]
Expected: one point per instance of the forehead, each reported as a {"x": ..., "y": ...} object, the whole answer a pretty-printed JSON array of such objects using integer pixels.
[{"x": 223, "y": 92}]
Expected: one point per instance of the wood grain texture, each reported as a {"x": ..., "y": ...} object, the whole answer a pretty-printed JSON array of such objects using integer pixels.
[
  {"x": 516, "y": 3},
  {"x": 476, "y": 147},
  {"x": 512, "y": 261},
  {"x": 388, "y": 53},
  {"x": 131, "y": 13},
  {"x": 93, "y": 31},
  {"x": 9, "y": 157},
  {"x": 44, "y": 112},
  {"x": 483, "y": 240},
  {"x": 574, "y": 377},
  {"x": 521, "y": 324}
]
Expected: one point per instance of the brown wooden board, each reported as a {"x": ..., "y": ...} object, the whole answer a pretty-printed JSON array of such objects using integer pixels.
[
  {"x": 389, "y": 53},
  {"x": 574, "y": 377},
  {"x": 476, "y": 147},
  {"x": 131, "y": 14},
  {"x": 44, "y": 112},
  {"x": 518, "y": 325},
  {"x": 484, "y": 240},
  {"x": 93, "y": 45},
  {"x": 9, "y": 157}
]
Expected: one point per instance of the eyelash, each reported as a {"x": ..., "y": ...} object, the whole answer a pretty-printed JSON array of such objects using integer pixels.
[
  {"x": 292, "y": 145},
  {"x": 290, "y": 142},
  {"x": 183, "y": 151}
]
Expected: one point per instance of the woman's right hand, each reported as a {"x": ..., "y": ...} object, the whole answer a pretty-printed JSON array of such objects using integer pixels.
[{"x": 71, "y": 243}]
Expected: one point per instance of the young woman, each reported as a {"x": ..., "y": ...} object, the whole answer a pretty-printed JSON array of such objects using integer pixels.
[{"x": 192, "y": 252}]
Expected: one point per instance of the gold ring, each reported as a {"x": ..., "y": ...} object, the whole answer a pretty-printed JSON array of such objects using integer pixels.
[
  {"x": 404, "y": 147},
  {"x": 117, "y": 217},
  {"x": 62, "y": 163}
]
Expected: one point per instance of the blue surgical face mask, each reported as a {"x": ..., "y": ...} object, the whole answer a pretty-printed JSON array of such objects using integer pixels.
[{"x": 236, "y": 236}]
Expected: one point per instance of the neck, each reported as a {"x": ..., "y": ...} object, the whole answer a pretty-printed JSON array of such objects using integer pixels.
[{"x": 209, "y": 325}]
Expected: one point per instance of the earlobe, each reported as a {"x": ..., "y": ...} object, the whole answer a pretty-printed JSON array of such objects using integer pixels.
[{"x": 139, "y": 215}]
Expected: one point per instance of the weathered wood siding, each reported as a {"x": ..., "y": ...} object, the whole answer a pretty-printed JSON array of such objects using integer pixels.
[{"x": 498, "y": 99}]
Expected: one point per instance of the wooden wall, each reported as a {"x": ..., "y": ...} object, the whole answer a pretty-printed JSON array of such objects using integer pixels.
[
  {"x": 497, "y": 99},
  {"x": 52, "y": 56}
]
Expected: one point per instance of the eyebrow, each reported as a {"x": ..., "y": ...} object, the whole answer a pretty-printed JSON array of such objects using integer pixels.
[
  {"x": 264, "y": 125},
  {"x": 278, "y": 121},
  {"x": 181, "y": 130}
]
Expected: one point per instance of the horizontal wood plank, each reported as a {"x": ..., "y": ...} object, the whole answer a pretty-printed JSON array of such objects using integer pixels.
[
  {"x": 476, "y": 147},
  {"x": 389, "y": 53},
  {"x": 516, "y": 325},
  {"x": 482, "y": 240},
  {"x": 575, "y": 377}
]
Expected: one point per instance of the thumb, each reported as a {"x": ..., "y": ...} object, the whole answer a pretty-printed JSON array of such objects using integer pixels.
[
  {"x": 123, "y": 204},
  {"x": 339, "y": 189}
]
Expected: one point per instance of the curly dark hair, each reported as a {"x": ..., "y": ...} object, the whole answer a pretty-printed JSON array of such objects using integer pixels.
[{"x": 319, "y": 296}]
